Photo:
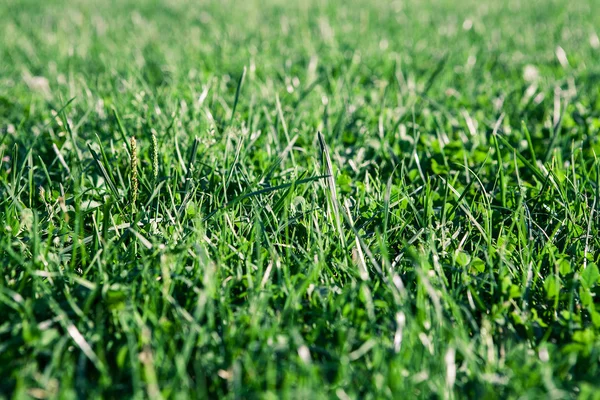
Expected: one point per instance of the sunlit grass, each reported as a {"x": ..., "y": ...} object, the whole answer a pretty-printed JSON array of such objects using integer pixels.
[{"x": 299, "y": 199}]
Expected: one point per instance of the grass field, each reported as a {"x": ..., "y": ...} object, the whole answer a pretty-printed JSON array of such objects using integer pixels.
[{"x": 299, "y": 199}]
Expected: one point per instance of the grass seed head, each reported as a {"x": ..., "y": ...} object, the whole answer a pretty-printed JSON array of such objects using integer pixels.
[
  {"x": 154, "y": 155},
  {"x": 134, "y": 172}
]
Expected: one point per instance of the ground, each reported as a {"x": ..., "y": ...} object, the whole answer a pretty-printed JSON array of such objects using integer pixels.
[{"x": 299, "y": 199}]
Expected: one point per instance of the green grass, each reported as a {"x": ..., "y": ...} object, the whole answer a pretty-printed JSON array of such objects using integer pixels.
[{"x": 439, "y": 238}]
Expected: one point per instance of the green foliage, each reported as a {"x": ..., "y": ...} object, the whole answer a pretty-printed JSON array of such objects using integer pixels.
[{"x": 438, "y": 239}]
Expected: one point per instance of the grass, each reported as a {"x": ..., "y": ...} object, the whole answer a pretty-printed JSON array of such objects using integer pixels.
[{"x": 362, "y": 199}]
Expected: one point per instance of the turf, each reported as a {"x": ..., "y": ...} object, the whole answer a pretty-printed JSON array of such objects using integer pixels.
[{"x": 310, "y": 199}]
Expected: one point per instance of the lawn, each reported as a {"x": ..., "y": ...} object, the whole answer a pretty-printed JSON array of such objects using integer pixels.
[{"x": 299, "y": 199}]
